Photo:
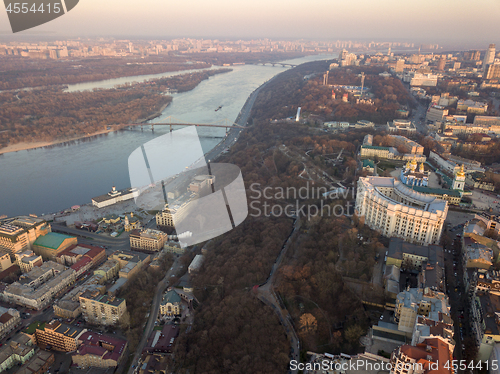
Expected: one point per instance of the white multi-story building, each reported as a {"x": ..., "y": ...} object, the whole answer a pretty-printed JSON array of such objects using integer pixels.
[
  {"x": 114, "y": 196},
  {"x": 18, "y": 234},
  {"x": 393, "y": 209},
  {"x": 27, "y": 260},
  {"x": 380, "y": 152},
  {"x": 411, "y": 146},
  {"x": 429, "y": 80},
  {"x": 403, "y": 125},
  {"x": 489, "y": 57}
]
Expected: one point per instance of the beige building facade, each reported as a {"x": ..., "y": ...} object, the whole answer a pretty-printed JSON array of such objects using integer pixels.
[
  {"x": 102, "y": 309},
  {"x": 393, "y": 209},
  {"x": 18, "y": 234}
]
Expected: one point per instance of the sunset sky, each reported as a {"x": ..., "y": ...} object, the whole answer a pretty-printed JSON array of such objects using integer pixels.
[{"x": 423, "y": 20}]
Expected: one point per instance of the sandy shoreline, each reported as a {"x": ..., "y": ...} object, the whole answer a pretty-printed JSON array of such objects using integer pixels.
[{"x": 25, "y": 146}]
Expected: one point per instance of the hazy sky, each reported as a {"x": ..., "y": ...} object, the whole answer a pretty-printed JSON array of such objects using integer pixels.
[{"x": 439, "y": 20}]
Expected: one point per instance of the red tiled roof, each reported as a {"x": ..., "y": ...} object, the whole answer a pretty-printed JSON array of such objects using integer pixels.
[
  {"x": 163, "y": 343},
  {"x": 80, "y": 263},
  {"x": 438, "y": 352},
  {"x": 4, "y": 318},
  {"x": 92, "y": 340},
  {"x": 94, "y": 251},
  {"x": 91, "y": 350},
  {"x": 10, "y": 270}
]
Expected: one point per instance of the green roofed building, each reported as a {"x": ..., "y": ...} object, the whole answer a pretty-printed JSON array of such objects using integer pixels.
[
  {"x": 451, "y": 196},
  {"x": 170, "y": 304},
  {"x": 369, "y": 165},
  {"x": 50, "y": 245}
]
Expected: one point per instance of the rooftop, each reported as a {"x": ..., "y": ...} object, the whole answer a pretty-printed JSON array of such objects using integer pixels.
[
  {"x": 430, "y": 350},
  {"x": 109, "y": 195},
  {"x": 103, "y": 299},
  {"x": 171, "y": 296},
  {"x": 105, "y": 346},
  {"x": 52, "y": 240},
  {"x": 398, "y": 247},
  {"x": 436, "y": 191}
]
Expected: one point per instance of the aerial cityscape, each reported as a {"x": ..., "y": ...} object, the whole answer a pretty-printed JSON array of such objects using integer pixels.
[{"x": 222, "y": 191}]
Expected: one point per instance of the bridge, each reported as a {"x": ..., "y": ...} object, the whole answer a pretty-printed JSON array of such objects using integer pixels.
[
  {"x": 176, "y": 122},
  {"x": 284, "y": 64}
]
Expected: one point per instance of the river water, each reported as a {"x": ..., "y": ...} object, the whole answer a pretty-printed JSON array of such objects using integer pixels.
[{"x": 49, "y": 180}]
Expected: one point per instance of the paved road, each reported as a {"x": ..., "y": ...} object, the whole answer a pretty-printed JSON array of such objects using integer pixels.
[
  {"x": 268, "y": 296},
  {"x": 418, "y": 115},
  {"x": 153, "y": 315}
]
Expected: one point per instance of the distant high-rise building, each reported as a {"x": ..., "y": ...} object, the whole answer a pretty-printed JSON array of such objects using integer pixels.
[
  {"x": 343, "y": 54},
  {"x": 400, "y": 65},
  {"x": 489, "y": 57},
  {"x": 415, "y": 59},
  {"x": 472, "y": 56},
  {"x": 493, "y": 71},
  {"x": 325, "y": 78},
  {"x": 441, "y": 64}
]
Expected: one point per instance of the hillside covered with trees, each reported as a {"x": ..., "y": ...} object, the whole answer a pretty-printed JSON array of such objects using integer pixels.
[
  {"x": 303, "y": 87},
  {"x": 233, "y": 330}
]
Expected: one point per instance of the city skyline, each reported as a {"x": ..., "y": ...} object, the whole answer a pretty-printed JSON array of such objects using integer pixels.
[{"x": 425, "y": 21}]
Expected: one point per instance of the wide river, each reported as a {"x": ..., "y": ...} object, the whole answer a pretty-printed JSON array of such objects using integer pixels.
[{"x": 49, "y": 180}]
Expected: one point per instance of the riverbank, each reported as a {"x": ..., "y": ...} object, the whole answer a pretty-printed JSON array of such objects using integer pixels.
[{"x": 27, "y": 146}]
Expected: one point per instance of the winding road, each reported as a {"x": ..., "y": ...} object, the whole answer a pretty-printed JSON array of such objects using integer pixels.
[{"x": 267, "y": 295}]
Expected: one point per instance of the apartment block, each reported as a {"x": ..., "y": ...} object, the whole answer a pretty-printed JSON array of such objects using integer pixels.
[
  {"x": 69, "y": 305},
  {"x": 109, "y": 270},
  {"x": 148, "y": 239},
  {"x": 58, "y": 336},
  {"x": 37, "y": 288},
  {"x": 101, "y": 309},
  {"x": 5, "y": 261},
  {"x": 16, "y": 352},
  {"x": 27, "y": 260},
  {"x": 9, "y": 319},
  {"x": 18, "y": 234}
]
